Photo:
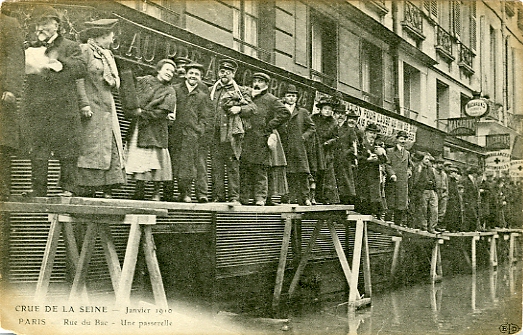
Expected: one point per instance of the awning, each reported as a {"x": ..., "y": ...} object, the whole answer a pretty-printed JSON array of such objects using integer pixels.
[{"x": 430, "y": 141}]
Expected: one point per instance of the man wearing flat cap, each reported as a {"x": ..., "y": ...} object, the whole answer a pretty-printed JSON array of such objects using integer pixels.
[
  {"x": 423, "y": 196},
  {"x": 192, "y": 113},
  {"x": 231, "y": 104},
  {"x": 50, "y": 104},
  {"x": 270, "y": 114},
  {"x": 294, "y": 135},
  {"x": 397, "y": 187}
]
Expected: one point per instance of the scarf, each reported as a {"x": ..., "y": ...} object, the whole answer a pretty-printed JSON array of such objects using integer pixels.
[
  {"x": 219, "y": 84},
  {"x": 110, "y": 72}
]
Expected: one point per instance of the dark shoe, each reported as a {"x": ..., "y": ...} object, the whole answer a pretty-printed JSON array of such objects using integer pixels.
[
  {"x": 260, "y": 203},
  {"x": 270, "y": 203},
  {"x": 203, "y": 200},
  {"x": 307, "y": 202}
]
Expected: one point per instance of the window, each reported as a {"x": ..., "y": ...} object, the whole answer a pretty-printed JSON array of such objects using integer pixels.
[
  {"x": 431, "y": 8},
  {"x": 245, "y": 27},
  {"x": 464, "y": 99},
  {"x": 492, "y": 75},
  {"x": 165, "y": 10},
  {"x": 324, "y": 49},
  {"x": 442, "y": 105},
  {"x": 371, "y": 73},
  {"x": 411, "y": 91}
]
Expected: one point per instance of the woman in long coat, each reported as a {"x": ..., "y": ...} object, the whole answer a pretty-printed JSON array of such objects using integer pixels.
[
  {"x": 327, "y": 135},
  {"x": 100, "y": 164},
  {"x": 345, "y": 154}
]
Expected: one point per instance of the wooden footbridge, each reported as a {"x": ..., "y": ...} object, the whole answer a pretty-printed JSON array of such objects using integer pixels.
[{"x": 65, "y": 214}]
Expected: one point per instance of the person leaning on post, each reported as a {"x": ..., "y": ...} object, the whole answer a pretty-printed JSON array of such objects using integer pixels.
[
  {"x": 146, "y": 155},
  {"x": 50, "y": 104},
  {"x": 192, "y": 110},
  {"x": 101, "y": 161}
]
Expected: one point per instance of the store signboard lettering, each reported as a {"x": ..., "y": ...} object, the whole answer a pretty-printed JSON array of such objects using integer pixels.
[
  {"x": 462, "y": 126},
  {"x": 497, "y": 160},
  {"x": 476, "y": 108},
  {"x": 497, "y": 142}
]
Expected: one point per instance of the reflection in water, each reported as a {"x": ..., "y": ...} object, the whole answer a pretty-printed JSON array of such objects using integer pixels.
[{"x": 465, "y": 304}]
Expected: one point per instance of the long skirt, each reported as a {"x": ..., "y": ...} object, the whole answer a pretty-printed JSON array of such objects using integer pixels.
[
  {"x": 149, "y": 164},
  {"x": 113, "y": 176}
]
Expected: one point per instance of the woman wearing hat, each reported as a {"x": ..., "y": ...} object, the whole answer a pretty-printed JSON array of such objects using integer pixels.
[
  {"x": 368, "y": 177},
  {"x": 100, "y": 164},
  {"x": 147, "y": 157},
  {"x": 345, "y": 154},
  {"x": 326, "y": 191}
]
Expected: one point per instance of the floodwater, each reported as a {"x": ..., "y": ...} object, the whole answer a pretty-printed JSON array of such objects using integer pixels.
[{"x": 488, "y": 302}]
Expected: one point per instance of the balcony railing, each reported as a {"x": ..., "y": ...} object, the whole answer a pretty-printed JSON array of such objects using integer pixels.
[
  {"x": 444, "y": 43},
  {"x": 413, "y": 20},
  {"x": 378, "y": 5},
  {"x": 324, "y": 78},
  {"x": 466, "y": 56}
]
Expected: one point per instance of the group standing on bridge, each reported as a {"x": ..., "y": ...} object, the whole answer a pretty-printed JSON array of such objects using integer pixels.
[{"x": 261, "y": 146}]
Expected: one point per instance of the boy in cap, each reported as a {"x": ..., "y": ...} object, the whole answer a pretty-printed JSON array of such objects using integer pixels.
[
  {"x": 294, "y": 136},
  {"x": 270, "y": 114},
  {"x": 230, "y": 103},
  {"x": 397, "y": 188},
  {"x": 50, "y": 102}
]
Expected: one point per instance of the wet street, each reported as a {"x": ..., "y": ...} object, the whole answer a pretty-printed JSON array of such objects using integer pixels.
[{"x": 488, "y": 302}]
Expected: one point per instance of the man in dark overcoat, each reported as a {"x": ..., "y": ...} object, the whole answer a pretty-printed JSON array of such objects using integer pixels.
[
  {"x": 270, "y": 114},
  {"x": 51, "y": 113},
  {"x": 345, "y": 151},
  {"x": 192, "y": 113},
  {"x": 397, "y": 189},
  {"x": 12, "y": 67},
  {"x": 294, "y": 136},
  {"x": 231, "y": 103},
  {"x": 470, "y": 184}
]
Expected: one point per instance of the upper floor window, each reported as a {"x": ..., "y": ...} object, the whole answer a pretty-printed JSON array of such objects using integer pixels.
[
  {"x": 245, "y": 26},
  {"x": 371, "y": 73},
  {"x": 324, "y": 49},
  {"x": 165, "y": 10},
  {"x": 411, "y": 91}
]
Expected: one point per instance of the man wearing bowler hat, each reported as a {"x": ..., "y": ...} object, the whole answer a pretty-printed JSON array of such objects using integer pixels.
[
  {"x": 192, "y": 113},
  {"x": 294, "y": 135},
  {"x": 397, "y": 187},
  {"x": 270, "y": 114},
  {"x": 50, "y": 105},
  {"x": 231, "y": 103}
]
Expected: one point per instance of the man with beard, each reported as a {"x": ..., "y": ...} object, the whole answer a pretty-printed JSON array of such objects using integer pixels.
[
  {"x": 192, "y": 110},
  {"x": 294, "y": 136},
  {"x": 397, "y": 190},
  {"x": 230, "y": 104},
  {"x": 52, "y": 115},
  {"x": 270, "y": 114}
]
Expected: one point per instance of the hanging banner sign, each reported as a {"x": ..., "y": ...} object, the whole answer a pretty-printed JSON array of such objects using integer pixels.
[
  {"x": 497, "y": 142},
  {"x": 497, "y": 160},
  {"x": 516, "y": 168},
  {"x": 476, "y": 108},
  {"x": 462, "y": 126}
]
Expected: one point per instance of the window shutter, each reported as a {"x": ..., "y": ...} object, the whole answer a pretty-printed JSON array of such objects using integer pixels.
[
  {"x": 457, "y": 18},
  {"x": 434, "y": 8},
  {"x": 473, "y": 25}
]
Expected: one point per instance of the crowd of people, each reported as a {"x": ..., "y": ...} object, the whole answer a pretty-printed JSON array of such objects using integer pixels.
[{"x": 262, "y": 147}]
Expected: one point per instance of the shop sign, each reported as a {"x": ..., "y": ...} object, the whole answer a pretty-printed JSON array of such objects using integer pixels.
[
  {"x": 462, "y": 126},
  {"x": 497, "y": 160},
  {"x": 497, "y": 142},
  {"x": 389, "y": 126},
  {"x": 476, "y": 108},
  {"x": 516, "y": 168}
]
